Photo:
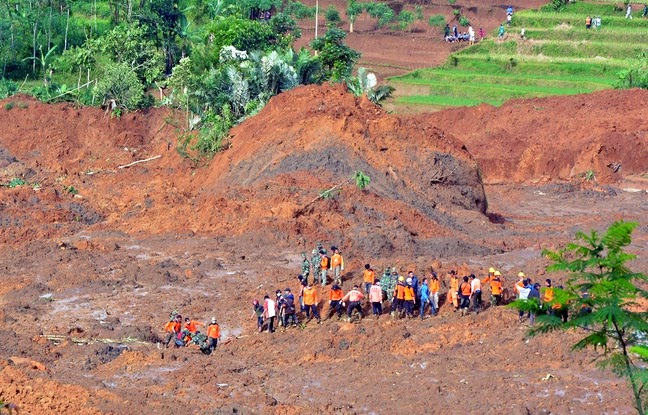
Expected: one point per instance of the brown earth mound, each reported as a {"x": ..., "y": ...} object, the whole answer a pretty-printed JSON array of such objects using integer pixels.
[
  {"x": 557, "y": 138},
  {"x": 419, "y": 175},
  {"x": 278, "y": 162}
]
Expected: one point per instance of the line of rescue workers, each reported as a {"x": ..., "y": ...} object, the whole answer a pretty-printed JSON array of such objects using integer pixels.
[{"x": 407, "y": 296}]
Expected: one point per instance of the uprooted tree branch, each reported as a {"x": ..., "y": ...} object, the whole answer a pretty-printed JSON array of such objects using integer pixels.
[{"x": 361, "y": 180}]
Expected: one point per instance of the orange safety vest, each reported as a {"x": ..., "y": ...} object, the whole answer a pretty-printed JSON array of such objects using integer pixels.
[
  {"x": 310, "y": 296},
  {"x": 434, "y": 286},
  {"x": 409, "y": 293},
  {"x": 369, "y": 276},
  {"x": 454, "y": 284},
  {"x": 399, "y": 293},
  {"x": 325, "y": 263},
  {"x": 336, "y": 295},
  {"x": 336, "y": 260},
  {"x": 465, "y": 288},
  {"x": 213, "y": 331},
  {"x": 496, "y": 286}
]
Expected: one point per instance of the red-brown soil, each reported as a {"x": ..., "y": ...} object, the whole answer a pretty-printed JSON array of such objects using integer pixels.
[
  {"x": 111, "y": 262},
  {"x": 554, "y": 138}
]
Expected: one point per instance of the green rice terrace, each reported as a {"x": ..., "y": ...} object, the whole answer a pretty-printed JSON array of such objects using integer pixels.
[{"x": 559, "y": 56}]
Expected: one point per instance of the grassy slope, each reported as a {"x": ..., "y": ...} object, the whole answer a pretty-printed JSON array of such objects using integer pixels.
[{"x": 559, "y": 57}]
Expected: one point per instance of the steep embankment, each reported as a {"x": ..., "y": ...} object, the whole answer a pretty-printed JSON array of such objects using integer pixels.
[
  {"x": 558, "y": 138},
  {"x": 303, "y": 142}
]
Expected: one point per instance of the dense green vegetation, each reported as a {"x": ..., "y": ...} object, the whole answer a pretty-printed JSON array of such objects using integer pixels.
[
  {"x": 558, "y": 57},
  {"x": 219, "y": 61}
]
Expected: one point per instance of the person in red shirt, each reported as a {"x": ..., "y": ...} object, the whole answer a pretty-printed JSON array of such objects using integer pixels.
[
  {"x": 213, "y": 334},
  {"x": 353, "y": 299}
]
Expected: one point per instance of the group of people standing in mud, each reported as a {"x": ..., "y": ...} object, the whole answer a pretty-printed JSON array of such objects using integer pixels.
[{"x": 402, "y": 296}]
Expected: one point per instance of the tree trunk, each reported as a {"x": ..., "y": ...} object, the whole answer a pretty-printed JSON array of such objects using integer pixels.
[
  {"x": 34, "y": 48},
  {"x": 67, "y": 26}
]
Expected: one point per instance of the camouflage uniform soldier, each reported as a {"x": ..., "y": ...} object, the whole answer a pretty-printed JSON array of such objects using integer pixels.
[
  {"x": 315, "y": 263},
  {"x": 305, "y": 269},
  {"x": 387, "y": 284}
]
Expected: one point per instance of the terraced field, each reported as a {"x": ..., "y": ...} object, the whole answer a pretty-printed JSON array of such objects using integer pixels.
[{"x": 558, "y": 57}]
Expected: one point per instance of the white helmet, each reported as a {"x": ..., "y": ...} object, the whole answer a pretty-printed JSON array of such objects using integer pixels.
[{"x": 408, "y": 280}]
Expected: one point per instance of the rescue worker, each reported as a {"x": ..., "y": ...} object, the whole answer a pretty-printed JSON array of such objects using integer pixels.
[
  {"x": 547, "y": 297},
  {"x": 257, "y": 310},
  {"x": 519, "y": 284},
  {"x": 172, "y": 328},
  {"x": 335, "y": 301},
  {"x": 496, "y": 288},
  {"x": 435, "y": 286},
  {"x": 409, "y": 299},
  {"x": 424, "y": 295},
  {"x": 302, "y": 285},
  {"x": 290, "y": 311},
  {"x": 415, "y": 287},
  {"x": 464, "y": 295},
  {"x": 453, "y": 291},
  {"x": 476, "y": 290},
  {"x": 353, "y": 299},
  {"x": 376, "y": 298},
  {"x": 325, "y": 264},
  {"x": 305, "y": 268},
  {"x": 398, "y": 299},
  {"x": 315, "y": 265},
  {"x": 281, "y": 307},
  {"x": 523, "y": 294},
  {"x": 368, "y": 276},
  {"x": 192, "y": 326},
  {"x": 270, "y": 312},
  {"x": 337, "y": 265},
  {"x": 213, "y": 334},
  {"x": 310, "y": 303},
  {"x": 388, "y": 284}
]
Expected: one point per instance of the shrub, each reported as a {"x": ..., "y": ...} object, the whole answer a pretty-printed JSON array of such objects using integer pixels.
[
  {"x": 120, "y": 82},
  {"x": 452, "y": 1},
  {"x": 332, "y": 14},
  {"x": 299, "y": 10},
  {"x": 7, "y": 88},
  {"x": 405, "y": 18},
  {"x": 456, "y": 13},
  {"x": 418, "y": 10},
  {"x": 437, "y": 20},
  {"x": 9, "y": 105},
  {"x": 381, "y": 12},
  {"x": 637, "y": 75},
  {"x": 463, "y": 20}
]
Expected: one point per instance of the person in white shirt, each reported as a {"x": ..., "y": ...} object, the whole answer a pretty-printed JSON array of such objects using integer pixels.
[
  {"x": 475, "y": 288},
  {"x": 269, "y": 312}
]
